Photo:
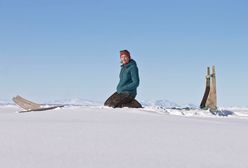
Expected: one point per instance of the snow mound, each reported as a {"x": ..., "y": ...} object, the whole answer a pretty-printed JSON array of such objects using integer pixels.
[{"x": 80, "y": 136}]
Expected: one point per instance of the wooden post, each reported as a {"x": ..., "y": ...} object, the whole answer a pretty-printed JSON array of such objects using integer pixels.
[
  {"x": 212, "y": 97},
  {"x": 207, "y": 89}
]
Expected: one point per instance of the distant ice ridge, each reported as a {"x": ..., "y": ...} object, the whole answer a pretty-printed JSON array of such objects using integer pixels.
[
  {"x": 156, "y": 104},
  {"x": 77, "y": 102},
  {"x": 165, "y": 104},
  {"x": 5, "y": 102}
]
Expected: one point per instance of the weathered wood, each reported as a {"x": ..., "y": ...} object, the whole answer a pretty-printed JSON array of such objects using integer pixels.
[
  {"x": 207, "y": 89},
  {"x": 212, "y": 97},
  {"x": 29, "y": 106},
  {"x": 25, "y": 104}
]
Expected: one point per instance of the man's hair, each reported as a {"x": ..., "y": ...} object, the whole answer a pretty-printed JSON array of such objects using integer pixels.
[{"x": 125, "y": 52}]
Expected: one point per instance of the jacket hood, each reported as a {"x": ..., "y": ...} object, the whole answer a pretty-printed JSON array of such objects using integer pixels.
[{"x": 131, "y": 63}]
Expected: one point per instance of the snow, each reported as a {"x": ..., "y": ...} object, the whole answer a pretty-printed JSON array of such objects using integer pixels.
[{"x": 100, "y": 137}]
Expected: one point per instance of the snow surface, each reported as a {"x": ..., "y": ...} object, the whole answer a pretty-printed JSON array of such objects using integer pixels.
[{"x": 100, "y": 137}]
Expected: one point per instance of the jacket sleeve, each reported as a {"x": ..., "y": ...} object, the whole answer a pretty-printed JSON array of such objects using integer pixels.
[{"x": 135, "y": 80}]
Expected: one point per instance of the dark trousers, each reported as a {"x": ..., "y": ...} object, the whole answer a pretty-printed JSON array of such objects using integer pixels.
[
  {"x": 122, "y": 100},
  {"x": 118, "y": 100}
]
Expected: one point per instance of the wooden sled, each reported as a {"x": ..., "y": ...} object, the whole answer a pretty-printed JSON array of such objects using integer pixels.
[{"x": 29, "y": 106}]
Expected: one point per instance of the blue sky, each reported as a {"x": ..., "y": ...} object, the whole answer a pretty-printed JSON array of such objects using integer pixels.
[{"x": 56, "y": 49}]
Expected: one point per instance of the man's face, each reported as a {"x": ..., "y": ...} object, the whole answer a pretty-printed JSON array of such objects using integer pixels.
[{"x": 125, "y": 59}]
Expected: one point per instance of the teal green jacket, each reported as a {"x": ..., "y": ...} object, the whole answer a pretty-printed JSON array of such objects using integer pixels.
[{"x": 129, "y": 78}]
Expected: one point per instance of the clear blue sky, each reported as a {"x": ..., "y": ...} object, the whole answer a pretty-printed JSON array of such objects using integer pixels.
[{"x": 56, "y": 49}]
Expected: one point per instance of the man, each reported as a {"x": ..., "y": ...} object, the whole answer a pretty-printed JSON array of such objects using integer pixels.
[{"x": 127, "y": 87}]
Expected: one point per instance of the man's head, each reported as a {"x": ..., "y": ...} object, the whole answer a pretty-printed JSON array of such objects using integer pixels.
[{"x": 125, "y": 56}]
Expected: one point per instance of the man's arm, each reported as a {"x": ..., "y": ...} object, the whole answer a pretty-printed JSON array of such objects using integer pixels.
[{"x": 135, "y": 80}]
